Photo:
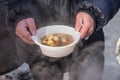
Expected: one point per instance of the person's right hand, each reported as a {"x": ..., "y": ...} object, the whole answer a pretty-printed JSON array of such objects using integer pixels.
[
  {"x": 84, "y": 24},
  {"x": 25, "y": 29}
]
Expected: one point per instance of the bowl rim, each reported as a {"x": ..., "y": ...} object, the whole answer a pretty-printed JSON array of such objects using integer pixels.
[{"x": 71, "y": 44}]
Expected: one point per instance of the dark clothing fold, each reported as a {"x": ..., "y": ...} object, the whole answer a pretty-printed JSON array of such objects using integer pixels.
[{"x": 8, "y": 54}]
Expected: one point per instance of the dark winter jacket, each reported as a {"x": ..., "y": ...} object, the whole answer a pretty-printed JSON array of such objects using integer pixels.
[{"x": 47, "y": 12}]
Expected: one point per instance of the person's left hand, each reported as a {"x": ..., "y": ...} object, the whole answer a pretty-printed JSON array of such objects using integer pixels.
[
  {"x": 25, "y": 29},
  {"x": 84, "y": 24}
]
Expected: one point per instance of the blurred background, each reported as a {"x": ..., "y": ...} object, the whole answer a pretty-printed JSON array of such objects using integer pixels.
[{"x": 112, "y": 34}]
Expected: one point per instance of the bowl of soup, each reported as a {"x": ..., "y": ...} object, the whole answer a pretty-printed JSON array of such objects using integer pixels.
[{"x": 56, "y": 40}]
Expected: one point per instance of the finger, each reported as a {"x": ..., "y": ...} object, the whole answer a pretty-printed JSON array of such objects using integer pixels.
[
  {"x": 79, "y": 22},
  {"x": 25, "y": 36},
  {"x": 31, "y": 25},
  {"x": 90, "y": 25},
  {"x": 83, "y": 32},
  {"x": 21, "y": 28},
  {"x": 90, "y": 32},
  {"x": 78, "y": 26},
  {"x": 26, "y": 40},
  {"x": 22, "y": 31}
]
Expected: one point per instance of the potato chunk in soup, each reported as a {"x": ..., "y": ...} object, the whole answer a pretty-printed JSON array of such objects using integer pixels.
[{"x": 57, "y": 39}]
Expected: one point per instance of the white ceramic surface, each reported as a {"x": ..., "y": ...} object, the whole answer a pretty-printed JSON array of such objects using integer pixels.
[{"x": 56, "y": 51}]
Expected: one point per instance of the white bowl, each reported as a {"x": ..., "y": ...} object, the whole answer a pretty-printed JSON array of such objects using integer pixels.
[{"x": 56, "y": 51}]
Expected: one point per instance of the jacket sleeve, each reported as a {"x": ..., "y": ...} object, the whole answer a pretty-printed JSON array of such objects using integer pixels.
[
  {"x": 18, "y": 10},
  {"x": 101, "y": 10}
]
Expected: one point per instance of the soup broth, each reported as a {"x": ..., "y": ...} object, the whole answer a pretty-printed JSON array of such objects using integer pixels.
[{"x": 57, "y": 39}]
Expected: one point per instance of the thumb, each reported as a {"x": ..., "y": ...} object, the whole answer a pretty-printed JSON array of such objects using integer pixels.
[
  {"x": 31, "y": 25},
  {"x": 78, "y": 25},
  {"x": 79, "y": 22}
]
